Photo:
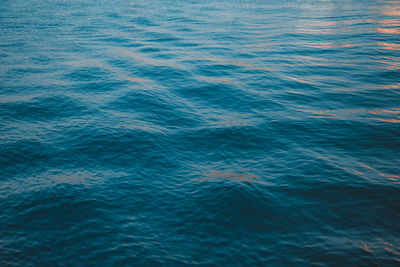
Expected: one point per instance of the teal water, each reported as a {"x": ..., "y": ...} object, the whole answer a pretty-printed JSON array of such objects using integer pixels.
[{"x": 207, "y": 133}]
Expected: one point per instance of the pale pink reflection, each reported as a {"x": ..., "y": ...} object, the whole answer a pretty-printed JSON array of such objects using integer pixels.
[
  {"x": 134, "y": 79},
  {"x": 388, "y": 120},
  {"x": 392, "y": 10},
  {"x": 385, "y": 115},
  {"x": 215, "y": 176},
  {"x": 390, "y": 86},
  {"x": 388, "y": 30},
  {"x": 332, "y": 45},
  {"x": 298, "y": 80},
  {"x": 389, "y": 46},
  {"x": 216, "y": 80},
  {"x": 386, "y": 22}
]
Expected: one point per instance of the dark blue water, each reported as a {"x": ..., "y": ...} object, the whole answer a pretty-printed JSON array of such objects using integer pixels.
[{"x": 177, "y": 132}]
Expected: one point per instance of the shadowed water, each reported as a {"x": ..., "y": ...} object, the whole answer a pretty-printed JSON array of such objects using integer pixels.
[{"x": 199, "y": 132}]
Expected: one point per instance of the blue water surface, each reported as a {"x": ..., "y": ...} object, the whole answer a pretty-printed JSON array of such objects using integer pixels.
[{"x": 202, "y": 133}]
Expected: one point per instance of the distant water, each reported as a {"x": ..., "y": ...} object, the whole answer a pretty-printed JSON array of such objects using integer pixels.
[{"x": 172, "y": 132}]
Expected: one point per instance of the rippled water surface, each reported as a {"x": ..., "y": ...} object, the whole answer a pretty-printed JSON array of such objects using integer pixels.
[{"x": 213, "y": 132}]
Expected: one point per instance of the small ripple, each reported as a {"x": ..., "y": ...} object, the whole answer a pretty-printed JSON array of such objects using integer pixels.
[{"x": 43, "y": 108}]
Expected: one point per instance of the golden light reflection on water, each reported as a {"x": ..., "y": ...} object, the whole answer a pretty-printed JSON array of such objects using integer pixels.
[
  {"x": 139, "y": 83},
  {"x": 387, "y": 25},
  {"x": 133, "y": 79},
  {"x": 298, "y": 80},
  {"x": 332, "y": 45},
  {"x": 387, "y": 120},
  {"x": 295, "y": 92},
  {"x": 371, "y": 87},
  {"x": 300, "y": 57},
  {"x": 215, "y": 176},
  {"x": 262, "y": 68},
  {"x": 391, "y": 12},
  {"x": 390, "y": 86},
  {"x": 319, "y": 61},
  {"x": 326, "y": 31},
  {"x": 146, "y": 60},
  {"x": 390, "y": 65},
  {"x": 391, "y": 177},
  {"x": 216, "y": 80},
  {"x": 231, "y": 123},
  {"x": 383, "y": 111},
  {"x": 228, "y": 121},
  {"x": 361, "y": 169},
  {"x": 261, "y": 44},
  {"x": 250, "y": 66},
  {"x": 378, "y": 246},
  {"x": 388, "y": 22},
  {"x": 366, "y": 246},
  {"x": 388, "y": 30},
  {"x": 357, "y": 114},
  {"x": 325, "y": 113},
  {"x": 320, "y": 114},
  {"x": 141, "y": 127}
]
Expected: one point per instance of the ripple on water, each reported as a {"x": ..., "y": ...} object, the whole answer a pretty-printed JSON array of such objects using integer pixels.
[{"x": 177, "y": 133}]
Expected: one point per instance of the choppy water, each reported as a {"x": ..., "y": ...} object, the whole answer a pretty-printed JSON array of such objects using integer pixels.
[{"x": 199, "y": 132}]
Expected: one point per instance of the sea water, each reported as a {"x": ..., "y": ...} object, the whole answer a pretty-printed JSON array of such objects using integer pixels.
[{"x": 211, "y": 132}]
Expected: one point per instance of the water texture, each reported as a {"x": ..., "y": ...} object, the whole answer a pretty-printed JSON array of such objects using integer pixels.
[{"x": 172, "y": 132}]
